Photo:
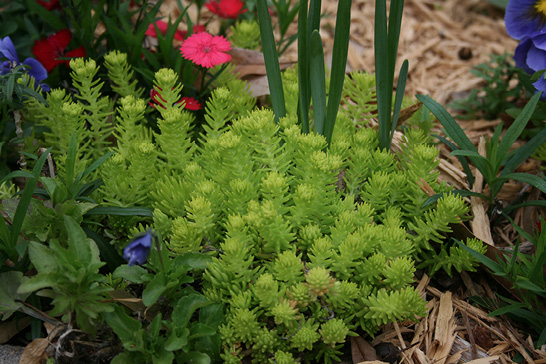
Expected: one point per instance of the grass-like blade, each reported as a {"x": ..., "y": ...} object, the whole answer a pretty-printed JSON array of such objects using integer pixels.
[
  {"x": 515, "y": 130},
  {"x": 531, "y": 179},
  {"x": 383, "y": 87},
  {"x": 271, "y": 60},
  {"x": 318, "y": 82},
  {"x": 24, "y": 202},
  {"x": 121, "y": 211},
  {"x": 524, "y": 152},
  {"x": 453, "y": 130},
  {"x": 396, "y": 11},
  {"x": 303, "y": 69},
  {"x": 400, "y": 88},
  {"x": 461, "y": 193},
  {"x": 464, "y": 162},
  {"x": 339, "y": 65}
]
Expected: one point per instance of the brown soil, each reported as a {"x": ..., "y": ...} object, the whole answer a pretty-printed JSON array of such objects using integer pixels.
[{"x": 443, "y": 41}]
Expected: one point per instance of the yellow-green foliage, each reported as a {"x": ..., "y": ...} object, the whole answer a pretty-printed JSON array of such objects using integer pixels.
[{"x": 309, "y": 245}]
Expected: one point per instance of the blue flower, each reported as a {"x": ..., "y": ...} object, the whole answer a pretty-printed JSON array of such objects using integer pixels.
[
  {"x": 525, "y": 17},
  {"x": 530, "y": 56},
  {"x": 34, "y": 68},
  {"x": 137, "y": 251}
]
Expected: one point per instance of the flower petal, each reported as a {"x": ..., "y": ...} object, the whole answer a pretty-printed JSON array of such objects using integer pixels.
[
  {"x": 522, "y": 18},
  {"x": 7, "y": 49},
  {"x": 36, "y": 70}
]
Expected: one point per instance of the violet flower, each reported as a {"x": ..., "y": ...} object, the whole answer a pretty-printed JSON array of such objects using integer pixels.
[
  {"x": 137, "y": 251},
  {"x": 525, "y": 17},
  {"x": 530, "y": 55},
  {"x": 33, "y": 67}
]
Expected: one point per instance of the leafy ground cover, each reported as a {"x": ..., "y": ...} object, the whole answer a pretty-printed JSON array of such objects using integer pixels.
[{"x": 257, "y": 249}]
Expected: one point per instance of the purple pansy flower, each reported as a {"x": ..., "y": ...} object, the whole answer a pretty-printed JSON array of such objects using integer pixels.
[
  {"x": 137, "y": 251},
  {"x": 525, "y": 17},
  {"x": 530, "y": 56},
  {"x": 34, "y": 68}
]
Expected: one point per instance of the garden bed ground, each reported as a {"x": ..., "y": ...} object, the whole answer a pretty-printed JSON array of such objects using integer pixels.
[{"x": 442, "y": 40}]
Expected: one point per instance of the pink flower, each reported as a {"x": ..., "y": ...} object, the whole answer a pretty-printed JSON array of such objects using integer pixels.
[
  {"x": 206, "y": 50},
  {"x": 226, "y": 8}
]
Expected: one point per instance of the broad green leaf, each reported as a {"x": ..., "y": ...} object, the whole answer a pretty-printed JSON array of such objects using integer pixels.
[
  {"x": 194, "y": 260},
  {"x": 42, "y": 257},
  {"x": 212, "y": 314},
  {"x": 78, "y": 242},
  {"x": 39, "y": 281},
  {"x": 125, "y": 328},
  {"x": 178, "y": 339},
  {"x": 163, "y": 357},
  {"x": 9, "y": 283},
  {"x": 198, "y": 357},
  {"x": 154, "y": 290},
  {"x": 199, "y": 330},
  {"x": 186, "y": 306}
]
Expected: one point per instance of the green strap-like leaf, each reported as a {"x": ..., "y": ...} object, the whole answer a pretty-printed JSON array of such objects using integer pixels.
[
  {"x": 524, "y": 152},
  {"x": 515, "y": 130},
  {"x": 271, "y": 61},
  {"x": 303, "y": 69},
  {"x": 318, "y": 81},
  {"x": 400, "y": 88},
  {"x": 339, "y": 65},
  {"x": 531, "y": 179}
]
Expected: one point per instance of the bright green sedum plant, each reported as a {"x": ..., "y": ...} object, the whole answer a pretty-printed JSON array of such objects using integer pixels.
[{"x": 307, "y": 244}]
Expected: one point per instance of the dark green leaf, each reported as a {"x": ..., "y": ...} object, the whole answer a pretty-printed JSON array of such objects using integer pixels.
[
  {"x": 271, "y": 60},
  {"x": 154, "y": 290},
  {"x": 318, "y": 81},
  {"x": 339, "y": 65},
  {"x": 186, "y": 306}
]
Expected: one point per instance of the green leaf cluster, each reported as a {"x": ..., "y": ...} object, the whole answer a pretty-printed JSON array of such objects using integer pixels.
[
  {"x": 526, "y": 273},
  {"x": 315, "y": 243},
  {"x": 70, "y": 277}
]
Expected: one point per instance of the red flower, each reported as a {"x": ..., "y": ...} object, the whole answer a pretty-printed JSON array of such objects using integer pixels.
[
  {"x": 190, "y": 102},
  {"x": 206, "y": 50},
  {"x": 197, "y": 28},
  {"x": 226, "y": 8},
  {"x": 49, "y": 4},
  {"x": 51, "y": 50},
  {"x": 162, "y": 26}
]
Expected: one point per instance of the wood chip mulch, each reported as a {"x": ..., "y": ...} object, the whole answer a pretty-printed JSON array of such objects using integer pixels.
[{"x": 442, "y": 40}]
